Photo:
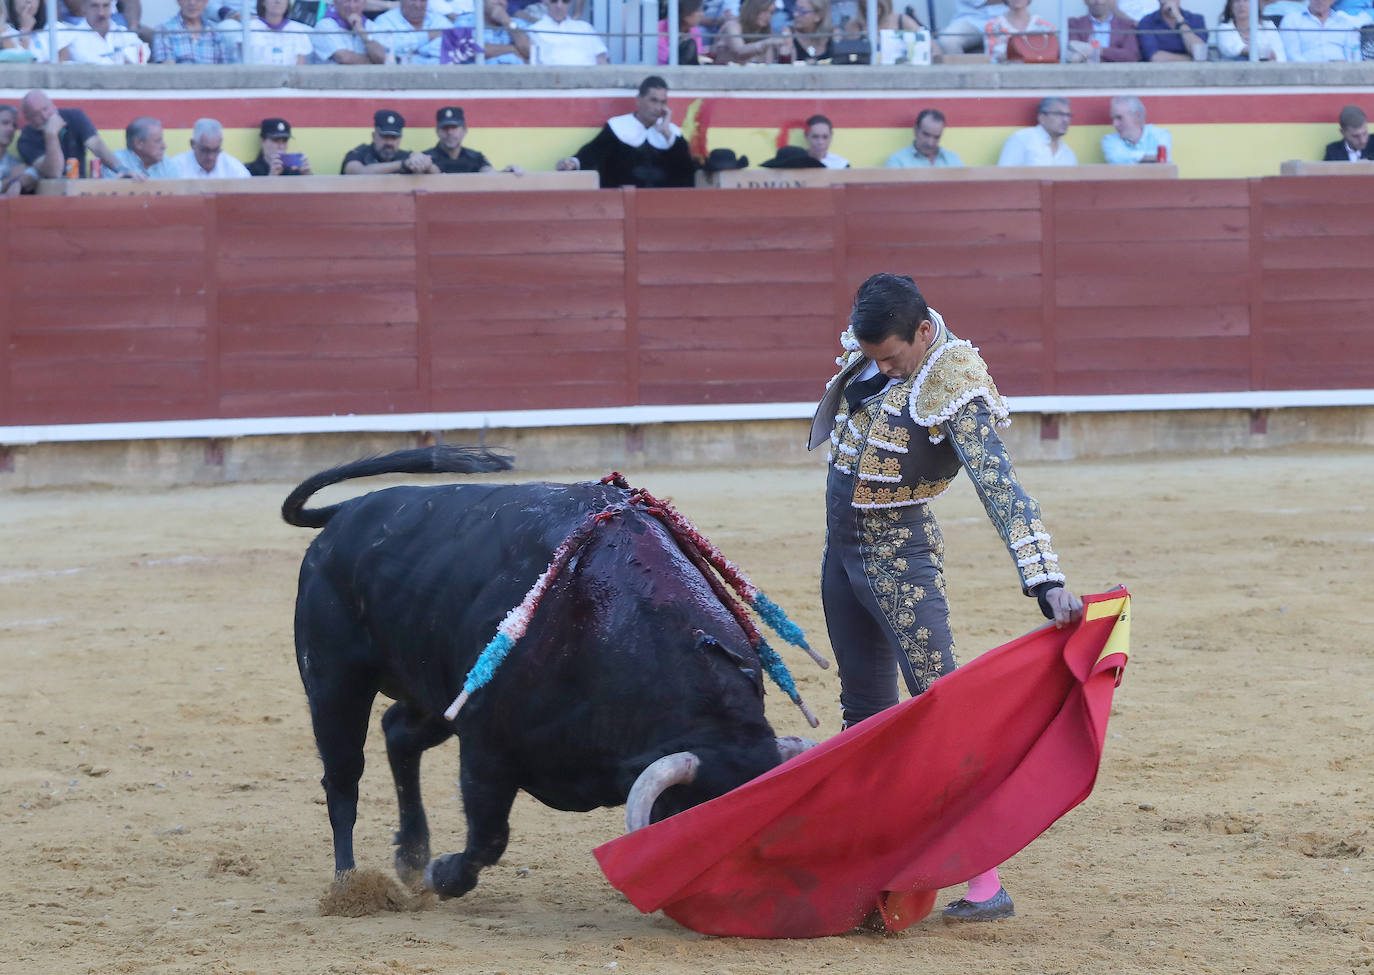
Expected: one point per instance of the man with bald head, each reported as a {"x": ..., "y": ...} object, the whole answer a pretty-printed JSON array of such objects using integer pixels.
[{"x": 54, "y": 135}]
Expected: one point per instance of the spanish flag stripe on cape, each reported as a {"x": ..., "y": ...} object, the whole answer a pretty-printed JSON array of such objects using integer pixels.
[{"x": 923, "y": 796}]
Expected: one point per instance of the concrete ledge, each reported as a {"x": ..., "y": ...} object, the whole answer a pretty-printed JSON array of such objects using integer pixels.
[
  {"x": 875, "y": 78},
  {"x": 626, "y": 446}
]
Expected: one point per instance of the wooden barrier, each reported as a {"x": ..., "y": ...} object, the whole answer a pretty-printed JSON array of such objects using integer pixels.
[
  {"x": 1301, "y": 167},
  {"x": 371, "y": 303},
  {"x": 762, "y": 178},
  {"x": 398, "y": 183}
]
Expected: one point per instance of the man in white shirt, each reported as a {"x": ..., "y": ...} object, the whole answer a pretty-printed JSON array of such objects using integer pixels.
[
  {"x": 96, "y": 41},
  {"x": 206, "y": 158},
  {"x": 819, "y": 133},
  {"x": 1042, "y": 144},
  {"x": 1319, "y": 33},
  {"x": 343, "y": 36},
  {"x": 558, "y": 39},
  {"x": 411, "y": 32}
]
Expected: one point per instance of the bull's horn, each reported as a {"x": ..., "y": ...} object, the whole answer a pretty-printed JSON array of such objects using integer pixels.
[
  {"x": 792, "y": 746},
  {"x": 678, "y": 768}
]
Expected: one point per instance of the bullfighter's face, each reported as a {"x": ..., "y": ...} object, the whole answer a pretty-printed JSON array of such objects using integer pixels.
[{"x": 898, "y": 358}]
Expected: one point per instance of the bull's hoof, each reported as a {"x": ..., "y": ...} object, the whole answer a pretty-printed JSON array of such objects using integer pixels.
[{"x": 448, "y": 876}]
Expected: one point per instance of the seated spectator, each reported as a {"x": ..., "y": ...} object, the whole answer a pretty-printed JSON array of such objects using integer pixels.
[
  {"x": 411, "y": 32},
  {"x": 144, "y": 150},
  {"x": 384, "y": 154},
  {"x": 505, "y": 40},
  {"x": 1361, "y": 10},
  {"x": 558, "y": 39},
  {"x": 15, "y": 177},
  {"x": 1354, "y": 144},
  {"x": 52, "y": 136},
  {"x": 342, "y": 37},
  {"x": 888, "y": 19},
  {"x": 1319, "y": 33},
  {"x": 23, "y": 29},
  {"x": 819, "y": 133},
  {"x": 187, "y": 38},
  {"x": 1233, "y": 35},
  {"x": 749, "y": 38},
  {"x": 449, "y": 154},
  {"x": 813, "y": 35},
  {"x": 206, "y": 159},
  {"x": 691, "y": 40},
  {"x": 276, "y": 39},
  {"x": 1134, "y": 141},
  {"x": 1172, "y": 34},
  {"x": 925, "y": 148},
  {"x": 969, "y": 27},
  {"x": 643, "y": 148},
  {"x": 1104, "y": 33},
  {"x": 1019, "y": 35},
  {"x": 97, "y": 41},
  {"x": 274, "y": 137},
  {"x": 1042, "y": 144}
]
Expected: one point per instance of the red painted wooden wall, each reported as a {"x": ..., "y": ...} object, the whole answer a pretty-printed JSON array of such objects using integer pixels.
[{"x": 277, "y": 305}]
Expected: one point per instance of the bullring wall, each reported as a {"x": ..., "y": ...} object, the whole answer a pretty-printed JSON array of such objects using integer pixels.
[{"x": 173, "y": 308}]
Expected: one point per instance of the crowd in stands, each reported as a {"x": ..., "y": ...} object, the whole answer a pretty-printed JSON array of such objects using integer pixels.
[
  {"x": 642, "y": 148},
  {"x": 559, "y": 32}
]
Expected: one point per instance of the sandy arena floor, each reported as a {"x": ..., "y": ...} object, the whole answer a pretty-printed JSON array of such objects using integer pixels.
[{"x": 160, "y": 807}]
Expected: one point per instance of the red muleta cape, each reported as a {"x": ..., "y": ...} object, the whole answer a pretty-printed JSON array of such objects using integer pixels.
[{"x": 922, "y": 796}]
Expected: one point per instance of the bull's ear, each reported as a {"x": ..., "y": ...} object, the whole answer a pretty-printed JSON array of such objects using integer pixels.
[{"x": 747, "y": 667}]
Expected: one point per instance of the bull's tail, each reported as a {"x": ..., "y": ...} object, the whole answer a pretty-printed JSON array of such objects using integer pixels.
[{"x": 441, "y": 459}]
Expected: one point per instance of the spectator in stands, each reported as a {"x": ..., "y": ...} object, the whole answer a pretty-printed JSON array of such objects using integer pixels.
[
  {"x": 1354, "y": 143},
  {"x": 15, "y": 177},
  {"x": 384, "y": 154},
  {"x": 714, "y": 14},
  {"x": 274, "y": 138},
  {"x": 52, "y": 136},
  {"x": 274, "y": 38},
  {"x": 1172, "y": 34},
  {"x": 1134, "y": 141},
  {"x": 1104, "y": 33},
  {"x": 506, "y": 40},
  {"x": 925, "y": 148},
  {"x": 969, "y": 26},
  {"x": 144, "y": 150},
  {"x": 1036, "y": 33},
  {"x": 691, "y": 40},
  {"x": 558, "y": 39},
  {"x": 819, "y": 133},
  {"x": 748, "y": 38},
  {"x": 643, "y": 148},
  {"x": 449, "y": 155},
  {"x": 187, "y": 38},
  {"x": 1042, "y": 144},
  {"x": 342, "y": 37},
  {"x": 1319, "y": 33},
  {"x": 22, "y": 30},
  {"x": 888, "y": 19},
  {"x": 97, "y": 41},
  {"x": 813, "y": 34},
  {"x": 411, "y": 32},
  {"x": 1233, "y": 35},
  {"x": 206, "y": 159}
]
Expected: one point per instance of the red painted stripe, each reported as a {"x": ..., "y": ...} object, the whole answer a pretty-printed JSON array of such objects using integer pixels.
[{"x": 1262, "y": 106}]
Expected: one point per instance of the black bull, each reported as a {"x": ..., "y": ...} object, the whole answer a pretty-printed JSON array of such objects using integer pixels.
[{"x": 629, "y": 662}]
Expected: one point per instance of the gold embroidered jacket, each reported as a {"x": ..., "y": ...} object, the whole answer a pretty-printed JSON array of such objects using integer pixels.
[{"x": 906, "y": 445}]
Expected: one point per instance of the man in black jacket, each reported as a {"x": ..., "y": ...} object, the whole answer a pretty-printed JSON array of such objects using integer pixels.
[
  {"x": 643, "y": 148},
  {"x": 1354, "y": 144}
]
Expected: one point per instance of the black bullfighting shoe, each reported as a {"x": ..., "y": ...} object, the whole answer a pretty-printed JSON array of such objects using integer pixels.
[{"x": 994, "y": 908}]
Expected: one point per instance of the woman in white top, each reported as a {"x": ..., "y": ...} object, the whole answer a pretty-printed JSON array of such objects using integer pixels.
[
  {"x": 1233, "y": 35},
  {"x": 1018, "y": 20},
  {"x": 23, "y": 23},
  {"x": 275, "y": 39}
]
